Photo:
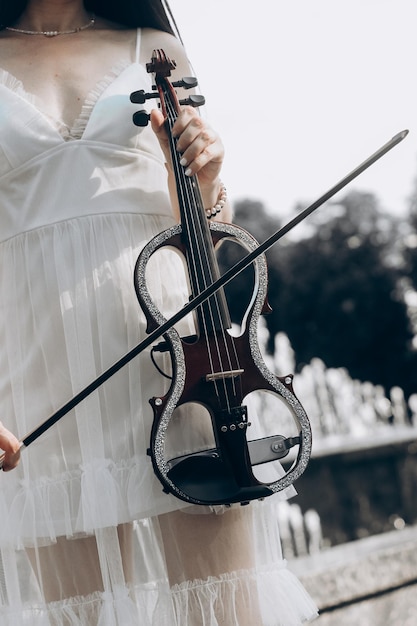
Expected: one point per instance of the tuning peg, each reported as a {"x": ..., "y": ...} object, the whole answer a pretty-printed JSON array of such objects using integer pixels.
[
  {"x": 141, "y": 118},
  {"x": 194, "y": 101},
  {"x": 140, "y": 97},
  {"x": 187, "y": 83}
]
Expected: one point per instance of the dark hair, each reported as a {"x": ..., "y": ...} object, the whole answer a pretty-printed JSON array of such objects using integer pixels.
[{"x": 130, "y": 13}]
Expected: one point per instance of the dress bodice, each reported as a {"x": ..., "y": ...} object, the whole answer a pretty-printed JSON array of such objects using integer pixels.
[
  {"x": 104, "y": 160},
  {"x": 75, "y": 210}
]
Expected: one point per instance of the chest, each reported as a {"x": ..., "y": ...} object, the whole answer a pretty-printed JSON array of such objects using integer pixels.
[{"x": 61, "y": 74}]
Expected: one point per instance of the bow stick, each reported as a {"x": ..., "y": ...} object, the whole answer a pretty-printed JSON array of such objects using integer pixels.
[{"x": 209, "y": 291}]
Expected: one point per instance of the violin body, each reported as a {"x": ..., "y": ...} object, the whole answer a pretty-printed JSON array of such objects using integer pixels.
[{"x": 223, "y": 474}]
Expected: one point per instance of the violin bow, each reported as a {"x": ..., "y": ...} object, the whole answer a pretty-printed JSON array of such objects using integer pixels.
[{"x": 209, "y": 291}]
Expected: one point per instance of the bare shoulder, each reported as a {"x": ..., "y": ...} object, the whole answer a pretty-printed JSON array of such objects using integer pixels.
[
  {"x": 155, "y": 39},
  {"x": 11, "y": 49}
]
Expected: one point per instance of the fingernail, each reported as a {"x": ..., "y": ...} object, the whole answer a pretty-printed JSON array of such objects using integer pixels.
[
  {"x": 183, "y": 161},
  {"x": 188, "y": 172}
]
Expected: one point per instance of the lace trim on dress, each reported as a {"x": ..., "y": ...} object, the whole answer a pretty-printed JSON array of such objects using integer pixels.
[
  {"x": 14, "y": 84},
  {"x": 122, "y": 607},
  {"x": 282, "y": 602},
  {"x": 78, "y": 127},
  {"x": 80, "y": 124},
  {"x": 101, "y": 494},
  {"x": 282, "y": 599}
]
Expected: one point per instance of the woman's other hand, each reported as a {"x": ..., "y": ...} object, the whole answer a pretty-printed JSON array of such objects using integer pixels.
[{"x": 11, "y": 446}]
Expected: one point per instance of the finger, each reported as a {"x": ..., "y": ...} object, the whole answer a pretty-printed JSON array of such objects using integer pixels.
[
  {"x": 205, "y": 164},
  {"x": 199, "y": 145},
  {"x": 203, "y": 160},
  {"x": 158, "y": 123},
  {"x": 188, "y": 127},
  {"x": 10, "y": 461},
  {"x": 205, "y": 141},
  {"x": 11, "y": 446},
  {"x": 158, "y": 126}
]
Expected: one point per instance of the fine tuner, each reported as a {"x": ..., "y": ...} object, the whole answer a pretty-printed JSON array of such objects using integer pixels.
[{"x": 141, "y": 118}]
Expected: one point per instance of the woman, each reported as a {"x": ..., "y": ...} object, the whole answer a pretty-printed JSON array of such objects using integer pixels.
[{"x": 88, "y": 537}]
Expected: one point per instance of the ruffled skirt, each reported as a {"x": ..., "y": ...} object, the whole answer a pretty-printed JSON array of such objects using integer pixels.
[
  {"x": 87, "y": 537},
  {"x": 54, "y": 585}
]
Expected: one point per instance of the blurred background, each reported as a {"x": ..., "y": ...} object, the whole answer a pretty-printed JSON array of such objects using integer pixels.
[{"x": 301, "y": 93}]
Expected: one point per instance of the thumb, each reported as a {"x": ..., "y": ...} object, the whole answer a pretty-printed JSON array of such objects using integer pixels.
[
  {"x": 11, "y": 446},
  {"x": 158, "y": 127}
]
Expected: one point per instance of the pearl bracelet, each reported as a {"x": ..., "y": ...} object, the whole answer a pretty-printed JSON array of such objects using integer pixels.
[{"x": 220, "y": 203}]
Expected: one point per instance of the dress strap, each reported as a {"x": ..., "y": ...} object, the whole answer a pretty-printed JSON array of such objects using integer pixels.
[{"x": 138, "y": 40}]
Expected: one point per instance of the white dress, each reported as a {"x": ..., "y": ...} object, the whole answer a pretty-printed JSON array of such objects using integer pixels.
[{"x": 74, "y": 213}]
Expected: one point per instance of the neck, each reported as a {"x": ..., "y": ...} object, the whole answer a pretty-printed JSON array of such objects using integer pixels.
[{"x": 41, "y": 15}]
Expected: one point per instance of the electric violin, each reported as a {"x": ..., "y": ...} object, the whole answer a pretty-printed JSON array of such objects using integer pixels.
[{"x": 212, "y": 368}]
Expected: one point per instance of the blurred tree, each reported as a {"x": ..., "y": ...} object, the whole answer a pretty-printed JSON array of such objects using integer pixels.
[
  {"x": 410, "y": 252},
  {"x": 334, "y": 293},
  {"x": 253, "y": 217}
]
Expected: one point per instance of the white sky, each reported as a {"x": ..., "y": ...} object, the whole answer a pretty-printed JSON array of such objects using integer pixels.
[{"x": 302, "y": 91}]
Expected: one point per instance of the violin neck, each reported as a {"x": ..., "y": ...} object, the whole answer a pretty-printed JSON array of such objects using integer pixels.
[{"x": 203, "y": 268}]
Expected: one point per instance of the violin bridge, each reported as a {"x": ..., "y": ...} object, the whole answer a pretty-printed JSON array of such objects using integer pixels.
[{"x": 222, "y": 375}]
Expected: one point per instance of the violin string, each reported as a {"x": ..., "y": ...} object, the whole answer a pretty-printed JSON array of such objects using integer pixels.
[
  {"x": 232, "y": 363},
  {"x": 190, "y": 195},
  {"x": 191, "y": 189},
  {"x": 187, "y": 196}
]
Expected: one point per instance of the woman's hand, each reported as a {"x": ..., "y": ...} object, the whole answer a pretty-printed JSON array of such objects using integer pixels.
[
  {"x": 200, "y": 147},
  {"x": 11, "y": 446}
]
